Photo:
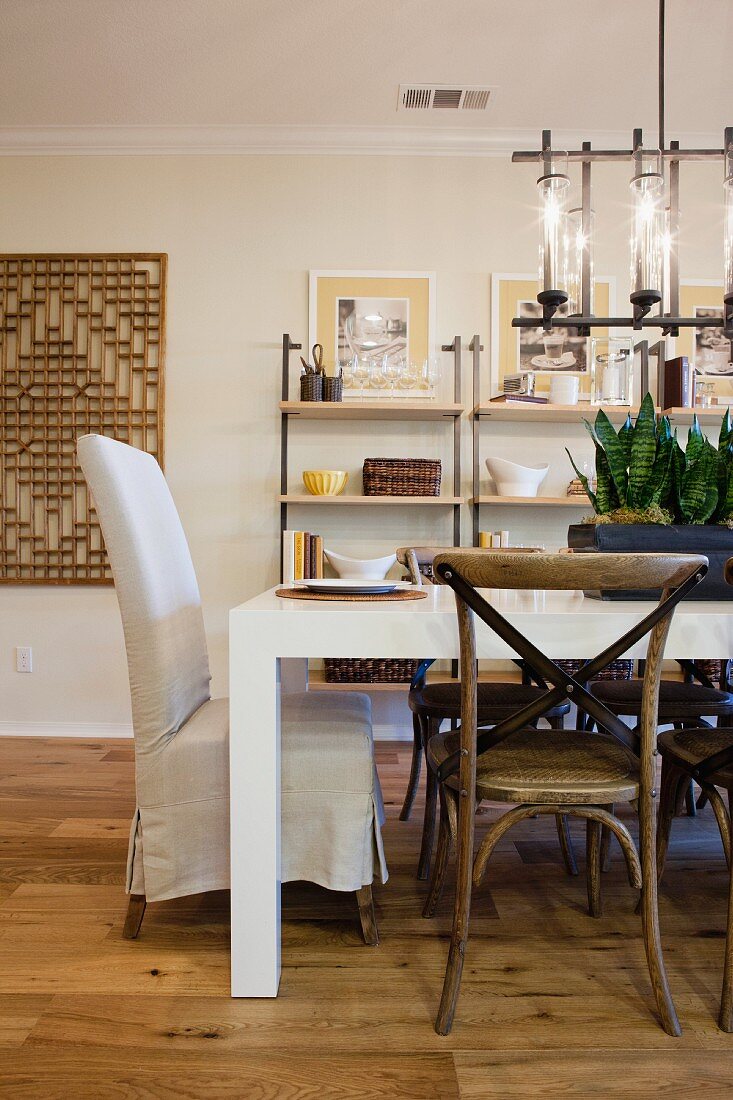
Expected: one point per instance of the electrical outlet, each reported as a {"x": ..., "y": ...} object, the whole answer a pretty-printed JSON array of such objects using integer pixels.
[{"x": 23, "y": 658}]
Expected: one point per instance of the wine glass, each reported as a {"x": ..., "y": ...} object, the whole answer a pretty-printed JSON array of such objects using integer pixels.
[
  {"x": 378, "y": 379},
  {"x": 392, "y": 368},
  {"x": 409, "y": 376},
  {"x": 431, "y": 374},
  {"x": 361, "y": 373},
  {"x": 347, "y": 367}
]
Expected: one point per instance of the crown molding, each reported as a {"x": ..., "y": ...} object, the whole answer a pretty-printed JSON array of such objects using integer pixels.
[{"x": 302, "y": 140}]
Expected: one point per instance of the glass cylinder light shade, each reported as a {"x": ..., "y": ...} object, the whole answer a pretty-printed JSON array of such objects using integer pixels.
[
  {"x": 553, "y": 189},
  {"x": 728, "y": 227},
  {"x": 647, "y": 228},
  {"x": 611, "y": 364},
  {"x": 578, "y": 246}
]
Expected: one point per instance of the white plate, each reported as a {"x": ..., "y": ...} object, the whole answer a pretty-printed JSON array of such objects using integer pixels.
[
  {"x": 351, "y": 587},
  {"x": 543, "y": 363}
]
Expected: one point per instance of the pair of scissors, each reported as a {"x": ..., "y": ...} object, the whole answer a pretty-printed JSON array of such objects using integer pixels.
[{"x": 317, "y": 354}]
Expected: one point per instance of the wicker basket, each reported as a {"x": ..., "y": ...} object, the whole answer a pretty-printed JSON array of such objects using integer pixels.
[
  {"x": 616, "y": 670},
  {"x": 711, "y": 669},
  {"x": 311, "y": 387},
  {"x": 333, "y": 389},
  {"x": 402, "y": 477},
  {"x": 369, "y": 670}
]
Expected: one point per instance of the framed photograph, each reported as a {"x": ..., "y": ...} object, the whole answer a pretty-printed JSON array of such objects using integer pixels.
[
  {"x": 707, "y": 348},
  {"x": 373, "y": 317},
  {"x": 524, "y": 349}
]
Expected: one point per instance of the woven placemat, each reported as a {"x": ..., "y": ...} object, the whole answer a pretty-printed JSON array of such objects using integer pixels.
[{"x": 398, "y": 594}]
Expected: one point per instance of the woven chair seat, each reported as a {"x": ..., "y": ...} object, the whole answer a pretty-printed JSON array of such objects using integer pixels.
[
  {"x": 568, "y": 767},
  {"x": 676, "y": 700},
  {"x": 687, "y": 748},
  {"x": 495, "y": 701}
]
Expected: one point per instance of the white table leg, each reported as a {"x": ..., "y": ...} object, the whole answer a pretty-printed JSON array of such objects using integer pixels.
[{"x": 254, "y": 757}]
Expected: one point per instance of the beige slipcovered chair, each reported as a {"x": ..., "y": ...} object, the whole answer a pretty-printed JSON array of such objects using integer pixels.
[{"x": 179, "y": 843}]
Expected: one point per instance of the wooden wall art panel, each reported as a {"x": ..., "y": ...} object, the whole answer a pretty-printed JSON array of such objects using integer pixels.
[{"x": 82, "y": 341}]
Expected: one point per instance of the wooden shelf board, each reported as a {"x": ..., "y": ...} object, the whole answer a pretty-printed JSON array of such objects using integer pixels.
[
  {"x": 714, "y": 413},
  {"x": 565, "y": 414},
  {"x": 533, "y": 502},
  {"x": 316, "y": 681},
  {"x": 352, "y": 499},
  {"x": 386, "y": 409}
]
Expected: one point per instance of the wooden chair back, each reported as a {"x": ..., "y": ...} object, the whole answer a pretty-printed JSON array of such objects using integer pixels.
[{"x": 675, "y": 574}]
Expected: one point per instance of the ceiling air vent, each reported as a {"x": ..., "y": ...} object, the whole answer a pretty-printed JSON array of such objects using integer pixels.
[{"x": 444, "y": 97}]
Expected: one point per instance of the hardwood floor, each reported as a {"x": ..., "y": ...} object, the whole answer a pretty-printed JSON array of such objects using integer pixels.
[{"x": 553, "y": 1002}]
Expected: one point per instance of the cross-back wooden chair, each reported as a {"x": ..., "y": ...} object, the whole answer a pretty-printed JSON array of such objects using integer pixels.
[
  {"x": 437, "y": 702},
  {"x": 686, "y": 704},
  {"x": 705, "y": 755},
  {"x": 553, "y": 771}
]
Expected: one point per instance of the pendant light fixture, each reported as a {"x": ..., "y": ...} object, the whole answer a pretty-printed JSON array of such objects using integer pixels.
[{"x": 566, "y": 236}]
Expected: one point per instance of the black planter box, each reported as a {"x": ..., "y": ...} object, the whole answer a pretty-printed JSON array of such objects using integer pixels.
[{"x": 716, "y": 543}]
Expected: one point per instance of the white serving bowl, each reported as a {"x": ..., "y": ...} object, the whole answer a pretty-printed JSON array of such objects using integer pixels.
[
  {"x": 364, "y": 568},
  {"x": 513, "y": 480}
]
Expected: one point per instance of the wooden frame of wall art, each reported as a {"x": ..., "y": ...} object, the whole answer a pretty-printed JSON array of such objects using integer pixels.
[
  {"x": 375, "y": 317},
  {"x": 706, "y": 348}
]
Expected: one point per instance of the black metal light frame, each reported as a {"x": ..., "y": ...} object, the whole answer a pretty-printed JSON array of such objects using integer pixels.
[{"x": 641, "y": 318}]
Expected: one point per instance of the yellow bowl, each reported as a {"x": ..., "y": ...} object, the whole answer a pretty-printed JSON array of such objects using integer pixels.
[{"x": 325, "y": 483}]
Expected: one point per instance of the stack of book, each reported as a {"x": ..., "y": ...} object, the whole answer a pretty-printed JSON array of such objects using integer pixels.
[{"x": 302, "y": 556}]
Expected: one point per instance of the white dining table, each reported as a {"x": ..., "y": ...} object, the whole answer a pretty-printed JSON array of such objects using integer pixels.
[{"x": 268, "y": 630}]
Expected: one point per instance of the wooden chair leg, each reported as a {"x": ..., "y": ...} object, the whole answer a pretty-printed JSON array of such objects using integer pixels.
[
  {"x": 442, "y": 855},
  {"x": 605, "y": 850},
  {"x": 415, "y": 768},
  {"x": 593, "y": 866},
  {"x": 134, "y": 916},
  {"x": 430, "y": 727},
  {"x": 671, "y": 779},
  {"x": 461, "y": 913},
  {"x": 725, "y": 1019},
  {"x": 566, "y": 843},
  {"x": 690, "y": 800},
  {"x": 650, "y": 917},
  {"x": 367, "y": 916}
]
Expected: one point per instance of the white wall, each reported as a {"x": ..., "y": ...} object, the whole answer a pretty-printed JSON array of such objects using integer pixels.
[{"x": 241, "y": 234}]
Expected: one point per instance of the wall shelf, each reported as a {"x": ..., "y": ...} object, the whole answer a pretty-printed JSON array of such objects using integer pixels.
[
  {"x": 714, "y": 414},
  {"x": 352, "y": 499},
  {"x": 534, "y": 502},
  {"x": 560, "y": 414},
  {"x": 386, "y": 409}
]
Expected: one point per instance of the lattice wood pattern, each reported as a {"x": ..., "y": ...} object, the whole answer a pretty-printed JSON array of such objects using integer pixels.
[{"x": 82, "y": 342}]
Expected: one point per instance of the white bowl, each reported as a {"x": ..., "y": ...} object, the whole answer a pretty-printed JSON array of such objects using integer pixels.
[
  {"x": 513, "y": 480},
  {"x": 364, "y": 568}
]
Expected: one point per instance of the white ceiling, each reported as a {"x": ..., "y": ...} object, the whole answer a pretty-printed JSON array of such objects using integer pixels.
[{"x": 296, "y": 73}]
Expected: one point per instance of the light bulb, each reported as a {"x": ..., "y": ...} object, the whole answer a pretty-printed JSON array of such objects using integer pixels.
[
  {"x": 553, "y": 188},
  {"x": 647, "y": 229}
]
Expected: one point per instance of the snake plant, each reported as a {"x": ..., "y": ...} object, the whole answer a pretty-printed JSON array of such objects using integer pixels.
[{"x": 644, "y": 476}]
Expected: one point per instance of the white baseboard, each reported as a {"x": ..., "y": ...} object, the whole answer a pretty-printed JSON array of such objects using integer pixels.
[
  {"x": 96, "y": 730},
  {"x": 392, "y": 733},
  {"x": 103, "y": 730}
]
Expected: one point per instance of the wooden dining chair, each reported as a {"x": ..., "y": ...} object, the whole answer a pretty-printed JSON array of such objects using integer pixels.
[
  {"x": 569, "y": 772},
  {"x": 682, "y": 704},
  {"x": 331, "y": 805},
  {"x": 704, "y": 755},
  {"x": 440, "y": 701}
]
